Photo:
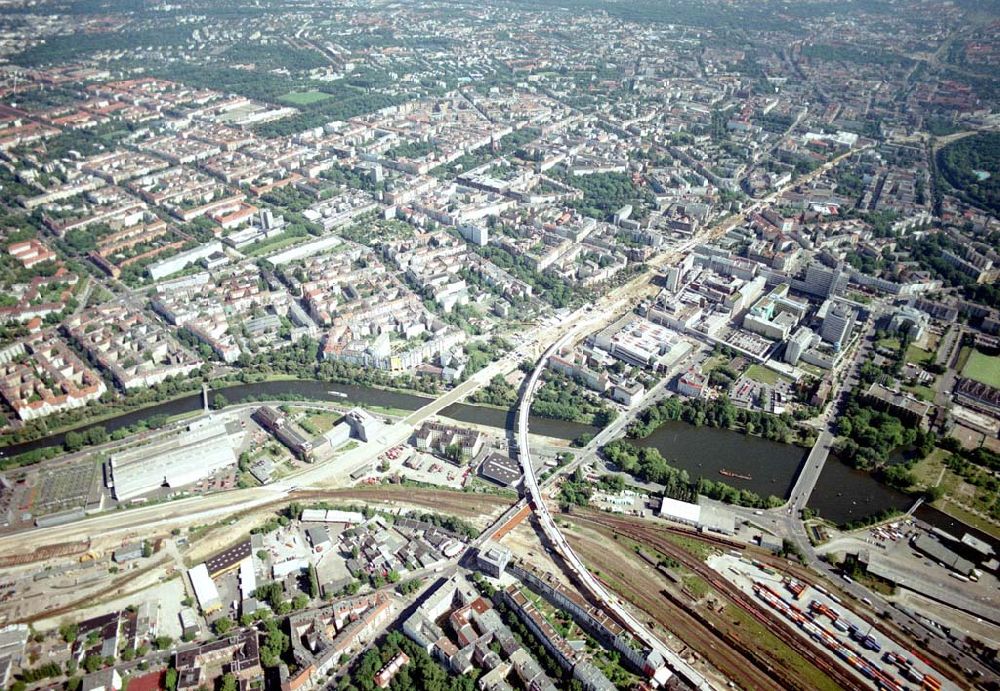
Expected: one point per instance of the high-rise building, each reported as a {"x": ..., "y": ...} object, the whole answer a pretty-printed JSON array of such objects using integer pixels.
[
  {"x": 673, "y": 278},
  {"x": 797, "y": 344},
  {"x": 825, "y": 281},
  {"x": 838, "y": 325}
]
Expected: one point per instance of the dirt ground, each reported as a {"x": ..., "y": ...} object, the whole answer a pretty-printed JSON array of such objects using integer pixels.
[{"x": 525, "y": 544}]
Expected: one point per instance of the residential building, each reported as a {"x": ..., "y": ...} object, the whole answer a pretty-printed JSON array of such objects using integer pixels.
[
  {"x": 438, "y": 438},
  {"x": 202, "y": 665}
]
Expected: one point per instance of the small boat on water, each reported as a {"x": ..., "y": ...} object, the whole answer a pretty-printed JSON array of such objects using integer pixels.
[
  {"x": 729, "y": 473},
  {"x": 338, "y": 394}
]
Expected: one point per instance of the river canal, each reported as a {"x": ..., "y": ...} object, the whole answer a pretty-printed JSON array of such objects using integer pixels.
[{"x": 841, "y": 495}]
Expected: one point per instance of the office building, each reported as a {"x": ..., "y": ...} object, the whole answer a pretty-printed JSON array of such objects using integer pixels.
[
  {"x": 825, "y": 281},
  {"x": 492, "y": 559},
  {"x": 798, "y": 344},
  {"x": 838, "y": 324}
]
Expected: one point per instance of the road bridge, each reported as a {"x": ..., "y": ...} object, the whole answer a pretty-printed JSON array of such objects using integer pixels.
[{"x": 601, "y": 596}]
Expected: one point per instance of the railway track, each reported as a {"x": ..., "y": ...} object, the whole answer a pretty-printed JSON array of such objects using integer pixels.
[
  {"x": 724, "y": 652},
  {"x": 62, "y": 549},
  {"x": 655, "y": 539}
]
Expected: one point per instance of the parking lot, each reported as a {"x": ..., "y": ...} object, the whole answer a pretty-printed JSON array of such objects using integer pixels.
[{"x": 418, "y": 466}]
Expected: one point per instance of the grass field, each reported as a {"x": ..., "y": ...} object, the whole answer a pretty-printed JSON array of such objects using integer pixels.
[
  {"x": 916, "y": 355},
  {"x": 761, "y": 374},
  {"x": 272, "y": 245},
  {"x": 983, "y": 368},
  {"x": 304, "y": 98},
  {"x": 924, "y": 393},
  {"x": 711, "y": 363},
  {"x": 323, "y": 422},
  {"x": 890, "y": 342},
  {"x": 928, "y": 471}
]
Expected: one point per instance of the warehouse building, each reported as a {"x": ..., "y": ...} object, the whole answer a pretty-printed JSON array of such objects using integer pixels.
[
  {"x": 201, "y": 450},
  {"x": 228, "y": 559},
  {"x": 939, "y": 552},
  {"x": 501, "y": 470},
  {"x": 331, "y": 516},
  {"x": 704, "y": 518},
  {"x": 683, "y": 512},
  {"x": 204, "y": 589}
]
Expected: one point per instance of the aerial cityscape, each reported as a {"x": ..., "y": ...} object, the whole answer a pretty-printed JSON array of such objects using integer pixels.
[{"x": 506, "y": 345}]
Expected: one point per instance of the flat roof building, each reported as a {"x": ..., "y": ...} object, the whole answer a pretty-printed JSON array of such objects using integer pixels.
[
  {"x": 493, "y": 558},
  {"x": 204, "y": 589},
  {"x": 228, "y": 559},
  {"x": 501, "y": 470},
  {"x": 175, "y": 460}
]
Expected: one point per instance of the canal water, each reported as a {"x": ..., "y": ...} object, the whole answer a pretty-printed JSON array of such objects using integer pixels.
[
  {"x": 842, "y": 494},
  {"x": 323, "y": 391},
  {"x": 768, "y": 467}
]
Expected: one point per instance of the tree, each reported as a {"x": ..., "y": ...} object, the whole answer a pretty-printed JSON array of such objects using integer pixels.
[
  {"x": 228, "y": 682},
  {"x": 171, "y": 679},
  {"x": 313, "y": 582},
  {"x": 932, "y": 494},
  {"x": 223, "y": 626},
  {"x": 453, "y": 452},
  {"x": 69, "y": 631},
  {"x": 92, "y": 663},
  {"x": 219, "y": 401},
  {"x": 163, "y": 642}
]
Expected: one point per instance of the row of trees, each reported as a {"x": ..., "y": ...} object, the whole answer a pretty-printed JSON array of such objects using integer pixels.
[
  {"x": 553, "y": 290},
  {"x": 499, "y": 392},
  {"x": 605, "y": 193}
]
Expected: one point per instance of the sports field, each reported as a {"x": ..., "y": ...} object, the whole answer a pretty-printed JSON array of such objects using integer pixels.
[
  {"x": 304, "y": 98},
  {"x": 983, "y": 368}
]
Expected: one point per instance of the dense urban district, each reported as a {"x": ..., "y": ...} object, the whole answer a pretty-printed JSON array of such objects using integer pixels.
[{"x": 499, "y": 345}]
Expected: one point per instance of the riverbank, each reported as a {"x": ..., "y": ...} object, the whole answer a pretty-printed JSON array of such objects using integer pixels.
[{"x": 283, "y": 387}]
